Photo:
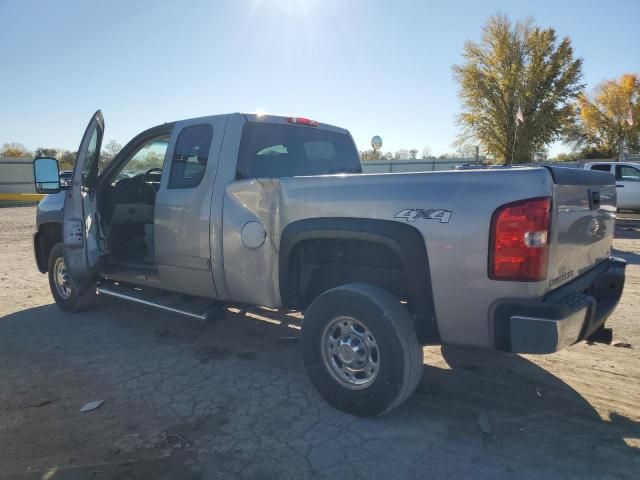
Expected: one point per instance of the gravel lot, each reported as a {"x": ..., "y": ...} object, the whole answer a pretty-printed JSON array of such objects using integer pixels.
[{"x": 188, "y": 400}]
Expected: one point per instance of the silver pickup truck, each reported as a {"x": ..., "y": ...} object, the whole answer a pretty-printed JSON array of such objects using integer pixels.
[{"x": 262, "y": 210}]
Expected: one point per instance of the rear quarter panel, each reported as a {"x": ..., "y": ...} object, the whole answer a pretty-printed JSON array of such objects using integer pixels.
[{"x": 457, "y": 249}]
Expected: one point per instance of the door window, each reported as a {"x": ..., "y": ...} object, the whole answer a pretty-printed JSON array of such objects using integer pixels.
[
  {"x": 602, "y": 168},
  {"x": 190, "y": 156},
  {"x": 90, "y": 167},
  {"x": 627, "y": 173}
]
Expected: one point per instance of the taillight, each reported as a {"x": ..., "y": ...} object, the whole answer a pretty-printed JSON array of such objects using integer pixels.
[
  {"x": 302, "y": 121},
  {"x": 519, "y": 242}
]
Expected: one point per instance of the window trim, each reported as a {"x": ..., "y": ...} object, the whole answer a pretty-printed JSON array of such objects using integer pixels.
[{"x": 172, "y": 159}]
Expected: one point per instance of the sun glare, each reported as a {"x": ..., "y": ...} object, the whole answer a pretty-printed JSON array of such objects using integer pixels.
[{"x": 293, "y": 8}]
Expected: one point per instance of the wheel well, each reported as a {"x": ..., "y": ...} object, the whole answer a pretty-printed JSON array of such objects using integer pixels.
[
  {"x": 317, "y": 265},
  {"x": 339, "y": 250},
  {"x": 48, "y": 235}
]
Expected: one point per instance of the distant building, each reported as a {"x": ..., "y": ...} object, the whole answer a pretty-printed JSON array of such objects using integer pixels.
[{"x": 16, "y": 176}]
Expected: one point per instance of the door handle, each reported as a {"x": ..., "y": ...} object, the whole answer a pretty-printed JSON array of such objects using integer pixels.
[{"x": 620, "y": 186}]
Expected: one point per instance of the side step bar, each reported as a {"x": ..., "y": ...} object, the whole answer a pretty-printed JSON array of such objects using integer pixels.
[{"x": 194, "y": 307}]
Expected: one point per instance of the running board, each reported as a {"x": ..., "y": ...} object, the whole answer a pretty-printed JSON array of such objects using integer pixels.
[{"x": 194, "y": 307}]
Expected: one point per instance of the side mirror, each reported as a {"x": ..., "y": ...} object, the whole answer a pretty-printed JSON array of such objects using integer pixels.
[{"x": 46, "y": 175}]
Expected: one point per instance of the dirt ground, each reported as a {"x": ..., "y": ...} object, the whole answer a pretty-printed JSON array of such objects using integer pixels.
[{"x": 188, "y": 400}]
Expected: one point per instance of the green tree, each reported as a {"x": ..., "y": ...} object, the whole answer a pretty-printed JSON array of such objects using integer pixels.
[
  {"x": 465, "y": 149},
  {"x": 67, "y": 159},
  {"x": 402, "y": 154},
  {"x": 516, "y": 65},
  {"x": 143, "y": 161},
  {"x": 367, "y": 156},
  {"x": 609, "y": 120},
  {"x": 108, "y": 151},
  {"x": 371, "y": 155}
]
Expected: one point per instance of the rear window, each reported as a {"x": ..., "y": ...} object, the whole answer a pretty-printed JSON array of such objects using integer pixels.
[
  {"x": 272, "y": 150},
  {"x": 602, "y": 168}
]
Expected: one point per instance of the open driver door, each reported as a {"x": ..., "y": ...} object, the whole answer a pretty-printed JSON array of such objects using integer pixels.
[{"x": 80, "y": 226}]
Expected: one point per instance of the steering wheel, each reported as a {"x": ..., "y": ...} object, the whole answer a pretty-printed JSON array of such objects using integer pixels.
[{"x": 154, "y": 185}]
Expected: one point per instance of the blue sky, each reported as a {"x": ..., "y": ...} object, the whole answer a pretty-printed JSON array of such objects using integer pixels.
[{"x": 372, "y": 67}]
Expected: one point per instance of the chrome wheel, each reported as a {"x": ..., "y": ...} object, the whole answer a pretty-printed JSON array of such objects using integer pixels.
[
  {"x": 61, "y": 279},
  {"x": 350, "y": 353}
]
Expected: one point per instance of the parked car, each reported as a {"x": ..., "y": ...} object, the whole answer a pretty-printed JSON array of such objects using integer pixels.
[
  {"x": 65, "y": 178},
  {"x": 274, "y": 211},
  {"x": 470, "y": 166},
  {"x": 627, "y": 175}
]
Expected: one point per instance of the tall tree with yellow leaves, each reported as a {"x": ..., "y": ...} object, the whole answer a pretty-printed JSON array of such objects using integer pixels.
[
  {"x": 516, "y": 70},
  {"x": 609, "y": 120}
]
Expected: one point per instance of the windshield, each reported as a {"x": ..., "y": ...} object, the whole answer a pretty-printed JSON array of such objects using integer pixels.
[{"x": 273, "y": 150}]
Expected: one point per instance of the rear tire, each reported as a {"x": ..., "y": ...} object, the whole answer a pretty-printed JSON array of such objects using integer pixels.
[
  {"x": 360, "y": 349},
  {"x": 63, "y": 291}
]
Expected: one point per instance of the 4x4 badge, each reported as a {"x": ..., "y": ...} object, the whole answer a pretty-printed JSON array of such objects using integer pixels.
[{"x": 413, "y": 214}]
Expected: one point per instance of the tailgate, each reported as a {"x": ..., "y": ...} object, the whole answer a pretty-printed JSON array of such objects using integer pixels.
[{"x": 584, "y": 206}]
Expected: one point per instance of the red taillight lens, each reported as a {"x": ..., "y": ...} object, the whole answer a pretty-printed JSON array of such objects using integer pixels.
[
  {"x": 519, "y": 244},
  {"x": 302, "y": 121}
]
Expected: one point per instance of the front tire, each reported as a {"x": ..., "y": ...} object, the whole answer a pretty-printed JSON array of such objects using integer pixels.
[
  {"x": 360, "y": 349},
  {"x": 63, "y": 291}
]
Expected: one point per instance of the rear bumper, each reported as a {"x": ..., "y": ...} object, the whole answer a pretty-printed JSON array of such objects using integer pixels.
[{"x": 563, "y": 317}]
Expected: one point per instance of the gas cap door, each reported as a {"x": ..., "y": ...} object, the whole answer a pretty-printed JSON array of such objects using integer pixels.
[{"x": 253, "y": 234}]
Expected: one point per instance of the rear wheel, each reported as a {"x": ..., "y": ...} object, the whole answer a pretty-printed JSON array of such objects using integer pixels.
[
  {"x": 360, "y": 349},
  {"x": 64, "y": 293}
]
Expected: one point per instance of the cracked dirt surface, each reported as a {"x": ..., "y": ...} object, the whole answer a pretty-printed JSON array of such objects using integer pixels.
[{"x": 188, "y": 400}]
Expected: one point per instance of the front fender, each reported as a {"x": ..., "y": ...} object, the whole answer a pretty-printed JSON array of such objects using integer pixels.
[{"x": 50, "y": 209}]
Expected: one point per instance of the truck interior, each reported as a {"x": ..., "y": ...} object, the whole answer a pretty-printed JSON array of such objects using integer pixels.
[
  {"x": 126, "y": 202},
  {"x": 128, "y": 189}
]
